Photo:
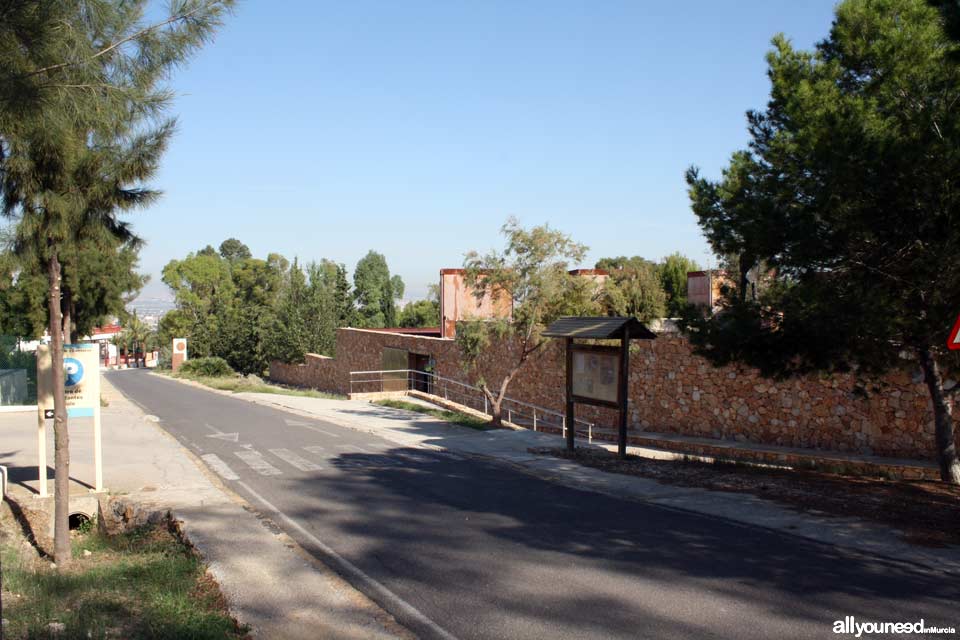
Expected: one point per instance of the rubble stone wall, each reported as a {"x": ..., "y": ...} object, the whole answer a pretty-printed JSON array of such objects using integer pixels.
[{"x": 674, "y": 391}]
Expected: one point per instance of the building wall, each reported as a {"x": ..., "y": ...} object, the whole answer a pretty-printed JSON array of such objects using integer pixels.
[
  {"x": 674, "y": 391},
  {"x": 458, "y": 302},
  {"x": 703, "y": 287}
]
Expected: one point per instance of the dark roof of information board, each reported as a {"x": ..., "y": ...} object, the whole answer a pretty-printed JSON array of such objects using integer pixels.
[{"x": 602, "y": 328}]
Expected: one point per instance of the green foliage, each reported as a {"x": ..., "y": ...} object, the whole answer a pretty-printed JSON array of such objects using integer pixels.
[
  {"x": 673, "y": 278},
  {"x": 634, "y": 289},
  {"x": 533, "y": 272},
  {"x": 646, "y": 289},
  {"x": 203, "y": 290},
  {"x": 232, "y": 250},
  {"x": 250, "y": 311},
  {"x": 343, "y": 298},
  {"x": 422, "y": 313},
  {"x": 98, "y": 278},
  {"x": 285, "y": 338},
  {"x": 853, "y": 162},
  {"x": 210, "y": 367},
  {"x": 375, "y": 292},
  {"x": 146, "y": 583},
  {"x": 848, "y": 197}
]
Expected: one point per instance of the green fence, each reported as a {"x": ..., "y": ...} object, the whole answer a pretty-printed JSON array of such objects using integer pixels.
[{"x": 18, "y": 374}]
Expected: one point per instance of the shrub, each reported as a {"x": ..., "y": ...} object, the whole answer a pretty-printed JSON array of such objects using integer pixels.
[{"x": 207, "y": 367}]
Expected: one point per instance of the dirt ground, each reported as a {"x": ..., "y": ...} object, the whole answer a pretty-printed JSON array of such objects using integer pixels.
[{"x": 928, "y": 513}]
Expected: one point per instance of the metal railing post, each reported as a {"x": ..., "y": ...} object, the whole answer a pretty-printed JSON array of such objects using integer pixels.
[
  {"x": 509, "y": 415},
  {"x": 534, "y": 418}
]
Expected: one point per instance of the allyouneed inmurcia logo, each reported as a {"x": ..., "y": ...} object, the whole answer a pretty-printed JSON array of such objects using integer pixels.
[{"x": 850, "y": 626}]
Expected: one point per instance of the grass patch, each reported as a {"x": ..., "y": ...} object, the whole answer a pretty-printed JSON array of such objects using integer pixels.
[
  {"x": 143, "y": 584},
  {"x": 242, "y": 384},
  {"x": 453, "y": 417}
]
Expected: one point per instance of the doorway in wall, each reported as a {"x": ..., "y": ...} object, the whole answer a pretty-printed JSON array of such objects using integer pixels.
[{"x": 421, "y": 364}]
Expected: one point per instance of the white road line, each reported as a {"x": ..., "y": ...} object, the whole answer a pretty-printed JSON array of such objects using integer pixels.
[
  {"x": 257, "y": 462},
  {"x": 316, "y": 450},
  {"x": 294, "y": 460},
  {"x": 218, "y": 465},
  {"x": 318, "y": 430},
  {"x": 354, "y": 573}
]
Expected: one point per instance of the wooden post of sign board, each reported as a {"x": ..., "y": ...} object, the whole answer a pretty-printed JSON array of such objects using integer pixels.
[
  {"x": 42, "y": 453},
  {"x": 44, "y": 400},
  {"x": 570, "y": 421},
  {"x": 97, "y": 448},
  {"x": 622, "y": 393}
]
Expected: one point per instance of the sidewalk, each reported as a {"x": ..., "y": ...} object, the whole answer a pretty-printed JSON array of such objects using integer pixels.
[
  {"x": 270, "y": 583},
  {"x": 508, "y": 446}
]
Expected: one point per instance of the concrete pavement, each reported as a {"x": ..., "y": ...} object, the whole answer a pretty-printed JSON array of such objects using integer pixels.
[
  {"x": 270, "y": 582},
  {"x": 415, "y": 430}
]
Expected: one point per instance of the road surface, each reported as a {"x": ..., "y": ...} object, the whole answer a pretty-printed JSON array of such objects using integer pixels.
[{"x": 462, "y": 548}]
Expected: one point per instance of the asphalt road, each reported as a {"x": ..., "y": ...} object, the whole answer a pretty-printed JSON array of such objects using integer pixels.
[{"x": 463, "y": 548}]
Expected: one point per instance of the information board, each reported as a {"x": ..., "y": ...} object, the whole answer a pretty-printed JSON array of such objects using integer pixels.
[
  {"x": 596, "y": 374},
  {"x": 81, "y": 369},
  {"x": 81, "y": 388}
]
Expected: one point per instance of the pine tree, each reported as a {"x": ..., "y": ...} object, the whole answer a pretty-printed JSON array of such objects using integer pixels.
[
  {"x": 78, "y": 137},
  {"x": 852, "y": 167}
]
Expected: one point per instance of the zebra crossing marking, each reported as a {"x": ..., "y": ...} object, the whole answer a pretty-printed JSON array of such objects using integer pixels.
[
  {"x": 218, "y": 465},
  {"x": 296, "y": 461},
  {"x": 258, "y": 463}
]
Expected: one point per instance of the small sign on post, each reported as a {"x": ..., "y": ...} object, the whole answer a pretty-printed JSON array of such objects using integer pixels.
[
  {"x": 81, "y": 368},
  {"x": 179, "y": 353},
  {"x": 953, "y": 342}
]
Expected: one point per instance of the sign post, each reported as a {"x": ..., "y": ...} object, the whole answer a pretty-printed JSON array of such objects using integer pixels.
[
  {"x": 178, "y": 354},
  {"x": 953, "y": 342},
  {"x": 81, "y": 364},
  {"x": 597, "y": 374}
]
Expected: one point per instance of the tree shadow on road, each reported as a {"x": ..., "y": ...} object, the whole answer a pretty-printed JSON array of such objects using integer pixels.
[{"x": 538, "y": 552}]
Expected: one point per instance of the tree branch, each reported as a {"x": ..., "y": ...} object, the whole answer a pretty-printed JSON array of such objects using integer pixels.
[{"x": 118, "y": 43}]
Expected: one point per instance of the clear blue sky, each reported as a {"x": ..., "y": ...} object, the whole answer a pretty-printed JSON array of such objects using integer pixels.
[{"x": 325, "y": 129}]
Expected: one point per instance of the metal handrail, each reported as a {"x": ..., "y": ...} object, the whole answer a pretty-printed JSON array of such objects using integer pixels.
[{"x": 379, "y": 377}]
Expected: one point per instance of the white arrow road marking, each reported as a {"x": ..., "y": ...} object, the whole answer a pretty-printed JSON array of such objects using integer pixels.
[
  {"x": 220, "y": 435},
  {"x": 219, "y": 466},
  {"x": 257, "y": 462},
  {"x": 294, "y": 460}
]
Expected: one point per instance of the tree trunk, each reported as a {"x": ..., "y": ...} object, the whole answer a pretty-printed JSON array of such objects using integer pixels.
[
  {"x": 942, "y": 417},
  {"x": 746, "y": 263},
  {"x": 61, "y": 438},
  {"x": 496, "y": 414},
  {"x": 66, "y": 308}
]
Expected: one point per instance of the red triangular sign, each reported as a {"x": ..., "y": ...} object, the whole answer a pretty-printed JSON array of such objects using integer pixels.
[{"x": 953, "y": 342}]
